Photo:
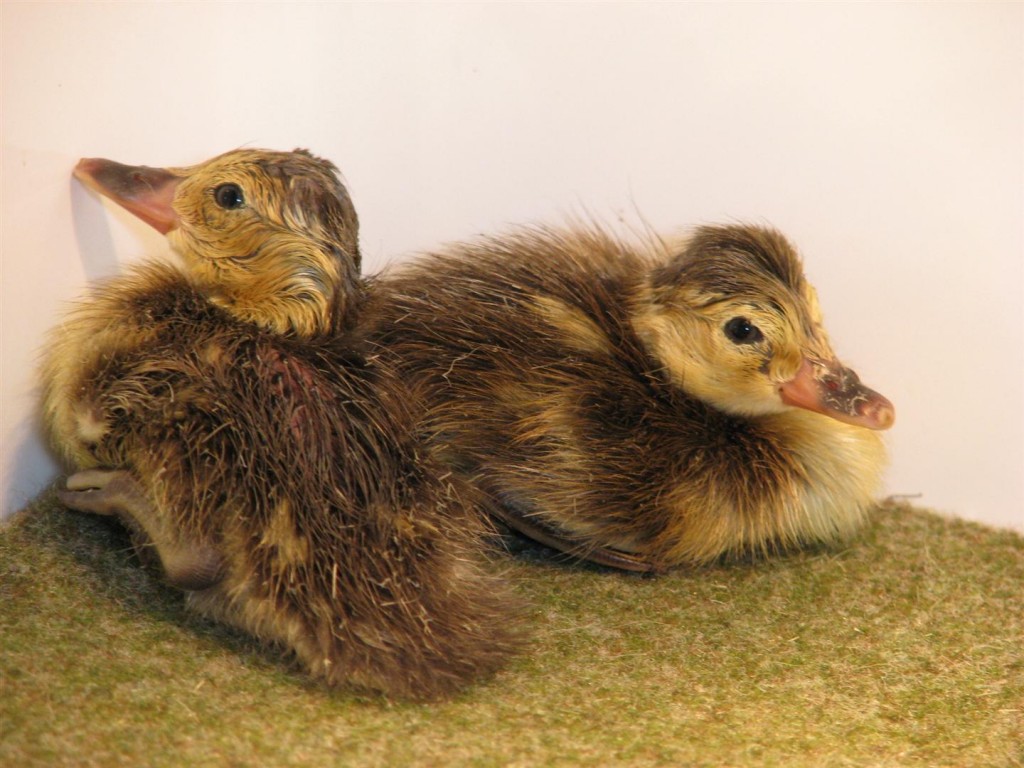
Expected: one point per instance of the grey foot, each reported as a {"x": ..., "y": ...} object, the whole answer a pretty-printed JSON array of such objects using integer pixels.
[
  {"x": 186, "y": 562},
  {"x": 107, "y": 492}
]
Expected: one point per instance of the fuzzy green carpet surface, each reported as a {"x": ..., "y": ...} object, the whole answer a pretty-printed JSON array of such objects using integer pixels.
[{"x": 902, "y": 649}]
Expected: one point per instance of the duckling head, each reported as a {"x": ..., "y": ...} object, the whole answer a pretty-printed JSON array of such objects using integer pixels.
[
  {"x": 272, "y": 237},
  {"x": 734, "y": 323}
]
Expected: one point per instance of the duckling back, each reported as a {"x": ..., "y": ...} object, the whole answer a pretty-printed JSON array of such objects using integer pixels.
[{"x": 563, "y": 384}]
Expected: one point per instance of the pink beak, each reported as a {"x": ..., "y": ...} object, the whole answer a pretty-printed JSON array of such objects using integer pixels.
[
  {"x": 146, "y": 192},
  {"x": 830, "y": 388}
]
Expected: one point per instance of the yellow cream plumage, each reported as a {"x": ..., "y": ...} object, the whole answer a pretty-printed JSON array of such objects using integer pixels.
[
  {"x": 226, "y": 411},
  {"x": 639, "y": 404}
]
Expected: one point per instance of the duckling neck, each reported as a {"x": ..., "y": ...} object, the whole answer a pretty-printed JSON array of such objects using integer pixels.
[
  {"x": 304, "y": 316},
  {"x": 301, "y": 304}
]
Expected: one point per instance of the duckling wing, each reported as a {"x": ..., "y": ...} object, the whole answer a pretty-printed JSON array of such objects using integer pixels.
[{"x": 559, "y": 539}]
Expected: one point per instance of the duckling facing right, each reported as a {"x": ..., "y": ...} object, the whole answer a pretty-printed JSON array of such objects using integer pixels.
[
  {"x": 226, "y": 411},
  {"x": 640, "y": 405}
]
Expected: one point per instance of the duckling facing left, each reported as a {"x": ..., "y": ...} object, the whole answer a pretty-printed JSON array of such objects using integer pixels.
[{"x": 225, "y": 412}]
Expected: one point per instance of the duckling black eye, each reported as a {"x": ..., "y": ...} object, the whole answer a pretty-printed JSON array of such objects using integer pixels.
[
  {"x": 742, "y": 331},
  {"x": 229, "y": 196}
]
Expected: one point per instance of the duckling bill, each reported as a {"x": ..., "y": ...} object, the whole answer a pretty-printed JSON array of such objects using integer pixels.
[
  {"x": 642, "y": 405},
  {"x": 225, "y": 410}
]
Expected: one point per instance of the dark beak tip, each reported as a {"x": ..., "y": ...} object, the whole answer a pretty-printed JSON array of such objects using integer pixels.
[
  {"x": 880, "y": 413},
  {"x": 86, "y": 167}
]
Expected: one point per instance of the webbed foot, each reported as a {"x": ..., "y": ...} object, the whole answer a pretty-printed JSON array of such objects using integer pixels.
[
  {"x": 187, "y": 563},
  {"x": 107, "y": 492}
]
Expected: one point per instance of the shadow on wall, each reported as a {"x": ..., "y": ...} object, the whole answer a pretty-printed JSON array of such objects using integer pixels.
[
  {"x": 92, "y": 234},
  {"x": 31, "y": 466}
]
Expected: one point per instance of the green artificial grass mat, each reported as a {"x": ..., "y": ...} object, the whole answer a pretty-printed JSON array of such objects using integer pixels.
[{"x": 904, "y": 648}]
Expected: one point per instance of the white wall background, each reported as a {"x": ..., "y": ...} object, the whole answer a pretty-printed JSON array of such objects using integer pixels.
[{"x": 887, "y": 139}]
